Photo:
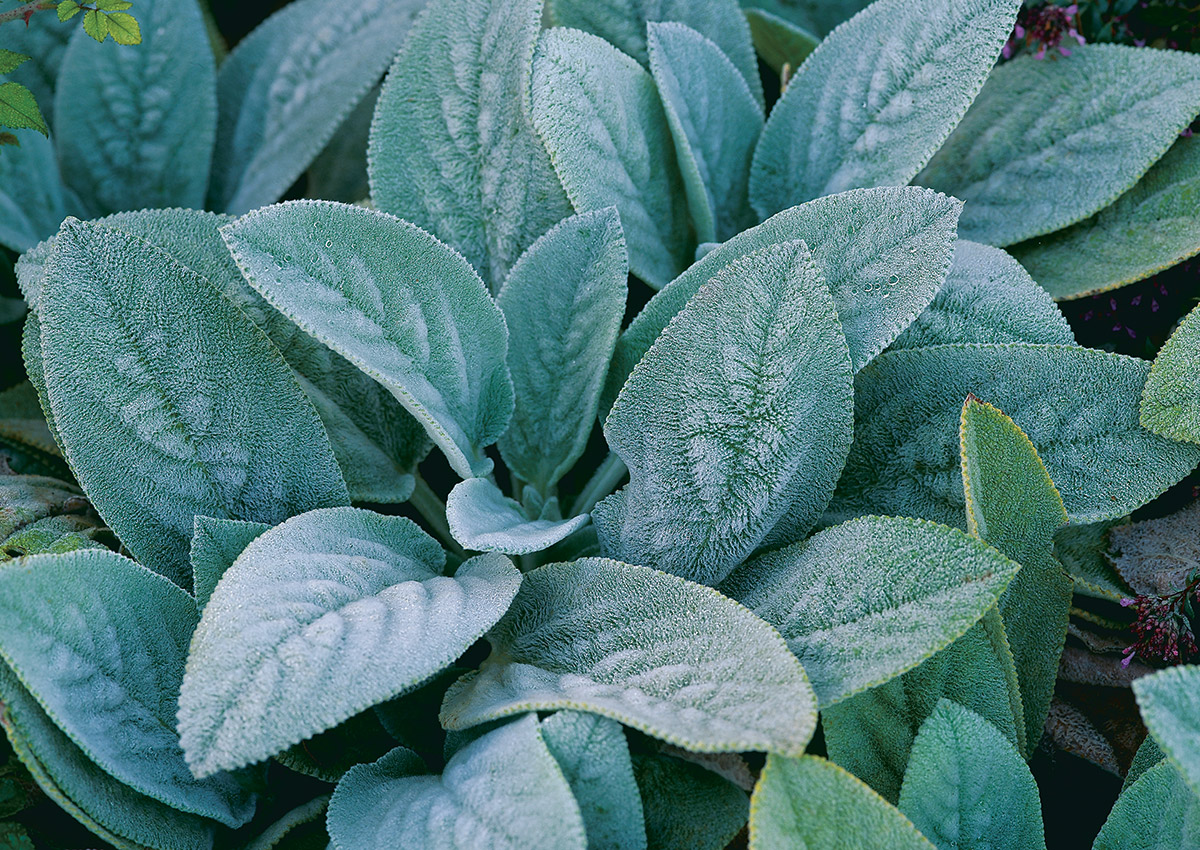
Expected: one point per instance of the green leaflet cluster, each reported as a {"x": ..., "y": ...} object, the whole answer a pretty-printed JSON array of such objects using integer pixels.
[{"x": 842, "y": 472}]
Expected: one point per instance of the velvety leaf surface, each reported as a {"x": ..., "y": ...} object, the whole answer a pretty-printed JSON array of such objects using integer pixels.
[
  {"x": 735, "y": 422},
  {"x": 1082, "y": 550},
  {"x": 563, "y": 303},
  {"x": 871, "y": 733},
  {"x": 812, "y": 803},
  {"x": 169, "y": 401},
  {"x": 1147, "y": 755},
  {"x": 778, "y": 41},
  {"x": 1014, "y": 506},
  {"x": 967, "y": 787},
  {"x": 883, "y": 253},
  {"x": 108, "y": 673},
  {"x": 216, "y": 543},
  {"x": 107, "y": 807},
  {"x": 33, "y": 200},
  {"x": 599, "y": 115},
  {"x": 1158, "y": 812},
  {"x": 286, "y": 88},
  {"x": 320, "y": 618},
  {"x": 863, "y": 602},
  {"x": 852, "y": 118},
  {"x": 593, "y": 755},
  {"x": 624, "y": 24},
  {"x": 668, "y": 657},
  {"x": 1149, "y": 228},
  {"x": 1171, "y": 399},
  {"x": 452, "y": 149},
  {"x": 1078, "y": 406},
  {"x": 1170, "y": 704},
  {"x": 688, "y": 807},
  {"x": 503, "y": 791},
  {"x": 1047, "y": 144},
  {"x": 987, "y": 297},
  {"x": 134, "y": 125},
  {"x": 397, "y": 303},
  {"x": 483, "y": 519},
  {"x": 715, "y": 122},
  {"x": 1156, "y": 556}
]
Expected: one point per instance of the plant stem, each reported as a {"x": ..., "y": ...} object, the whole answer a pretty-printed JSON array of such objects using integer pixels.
[
  {"x": 603, "y": 481},
  {"x": 433, "y": 510},
  {"x": 23, "y": 11}
]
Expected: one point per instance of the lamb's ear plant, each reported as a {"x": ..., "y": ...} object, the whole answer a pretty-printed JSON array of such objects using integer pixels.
[{"x": 791, "y": 552}]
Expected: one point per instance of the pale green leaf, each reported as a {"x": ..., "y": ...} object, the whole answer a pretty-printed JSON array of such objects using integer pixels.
[
  {"x": 483, "y": 519},
  {"x": 67, "y": 9},
  {"x": 735, "y": 424},
  {"x": 395, "y": 302},
  {"x": 110, "y": 809},
  {"x": 987, "y": 297},
  {"x": 135, "y": 128},
  {"x": 1151, "y": 227},
  {"x": 108, "y": 674},
  {"x": 452, "y": 149},
  {"x": 688, "y": 807},
  {"x": 623, "y": 24},
  {"x": 10, "y": 60},
  {"x": 714, "y": 122},
  {"x": 503, "y": 791},
  {"x": 113, "y": 5},
  {"x": 1171, "y": 398},
  {"x": 1047, "y": 144},
  {"x": 1147, "y": 755},
  {"x": 1082, "y": 550},
  {"x": 599, "y": 115},
  {"x": 319, "y": 619},
  {"x": 287, "y": 86},
  {"x": 1170, "y": 704},
  {"x": 1014, "y": 506},
  {"x": 33, "y": 200},
  {"x": 812, "y": 803},
  {"x": 169, "y": 401},
  {"x": 871, "y": 733},
  {"x": 563, "y": 303},
  {"x": 1078, "y": 406},
  {"x": 124, "y": 28},
  {"x": 863, "y": 602},
  {"x": 778, "y": 41},
  {"x": 593, "y": 755},
  {"x": 216, "y": 543},
  {"x": 883, "y": 253},
  {"x": 1157, "y": 812},
  {"x": 852, "y": 118},
  {"x": 966, "y": 787},
  {"x": 668, "y": 657},
  {"x": 95, "y": 25}
]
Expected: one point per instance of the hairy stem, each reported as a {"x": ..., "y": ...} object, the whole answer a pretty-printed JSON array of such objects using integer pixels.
[
  {"x": 433, "y": 510},
  {"x": 603, "y": 481}
]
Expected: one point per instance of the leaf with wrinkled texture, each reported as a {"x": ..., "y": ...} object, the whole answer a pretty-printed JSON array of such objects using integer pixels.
[
  {"x": 1014, "y": 506},
  {"x": 714, "y": 122},
  {"x": 967, "y": 787},
  {"x": 852, "y": 118},
  {"x": 563, "y": 303},
  {"x": 688, "y": 807},
  {"x": 107, "y": 675},
  {"x": 1147, "y": 755},
  {"x": 169, "y": 401},
  {"x": 1170, "y": 704},
  {"x": 135, "y": 127},
  {"x": 503, "y": 791},
  {"x": 593, "y": 755},
  {"x": 812, "y": 803},
  {"x": 452, "y": 149},
  {"x": 33, "y": 200},
  {"x": 1157, "y": 556},
  {"x": 871, "y": 733},
  {"x": 599, "y": 115},
  {"x": 216, "y": 543},
  {"x": 735, "y": 424},
  {"x": 1078, "y": 406},
  {"x": 624, "y": 22},
  {"x": 884, "y": 253},
  {"x": 863, "y": 602},
  {"x": 320, "y": 618},
  {"x": 778, "y": 41},
  {"x": 1171, "y": 399},
  {"x": 987, "y": 297},
  {"x": 1150, "y": 228},
  {"x": 286, "y": 88},
  {"x": 395, "y": 302},
  {"x": 668, "y": 657},
  {"x": 1047, "y": 144},
  {"x": 483, "y": 519},
  {"x": 1157, "y": 812},
  {"x": 1081, "y": 549}
]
